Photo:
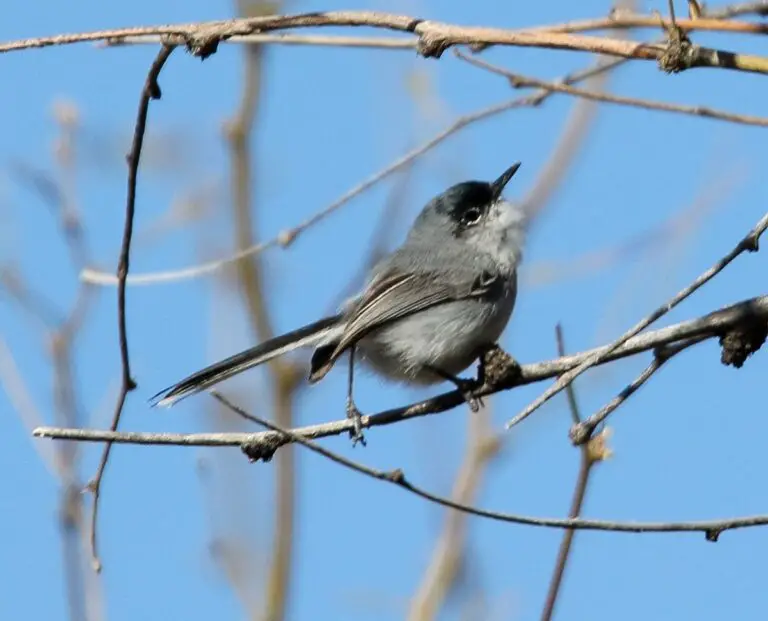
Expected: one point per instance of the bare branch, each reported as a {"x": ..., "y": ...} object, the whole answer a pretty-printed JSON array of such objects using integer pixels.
[
  {"x": 517, "y": 81},
  {"x": 150, "y": 91},
  {"x": 711, "y": 528},
  {"x": 747, "y": 244},
  {"x": 748, "y": 313},
  {"x": 435, "y": 37}
]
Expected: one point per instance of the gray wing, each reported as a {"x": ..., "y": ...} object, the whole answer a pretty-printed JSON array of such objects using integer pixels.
[{"x": 391, "y": 296}]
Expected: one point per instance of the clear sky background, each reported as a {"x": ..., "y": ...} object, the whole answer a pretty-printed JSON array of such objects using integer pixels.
[{"x": 690, "y": 445}]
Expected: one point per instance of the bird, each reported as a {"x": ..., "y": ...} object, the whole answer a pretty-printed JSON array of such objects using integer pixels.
[{"x": 428, "y": 310}]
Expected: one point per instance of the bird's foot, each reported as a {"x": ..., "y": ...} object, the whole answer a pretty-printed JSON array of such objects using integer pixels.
[{"x": 356, "y": 433}]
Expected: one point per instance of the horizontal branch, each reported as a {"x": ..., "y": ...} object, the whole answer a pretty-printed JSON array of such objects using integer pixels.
[
  {"x": 741, "y": 316},
  {"x": 434, "y": 38}
]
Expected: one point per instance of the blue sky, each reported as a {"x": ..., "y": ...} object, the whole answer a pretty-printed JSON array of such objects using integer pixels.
[{"x": 690, "y": 445}]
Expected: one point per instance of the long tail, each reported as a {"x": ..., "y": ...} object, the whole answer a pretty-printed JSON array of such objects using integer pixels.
[{"x": 209, "y": 376}]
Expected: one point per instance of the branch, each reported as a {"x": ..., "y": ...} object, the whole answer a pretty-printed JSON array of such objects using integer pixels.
[
  {"x": 434, "y": 38},
  {"x": 745, "y": 315},
  {"x": 150, "y": 91},
  {"x": 711, "y": 528},
  {"x": 517, "y": 80},
  {"x": 747, "y": 244}
]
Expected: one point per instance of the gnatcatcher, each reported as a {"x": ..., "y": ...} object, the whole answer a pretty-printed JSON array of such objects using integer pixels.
[{"x": 428, "y": 310}]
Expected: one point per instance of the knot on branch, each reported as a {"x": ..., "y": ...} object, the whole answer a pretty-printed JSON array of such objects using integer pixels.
[
  {"x": 741, "y": 342},
  {"x": 264, "y": 450},
  {"x": 680, "y": 54},
  {"x": 203, "y": 43},
  {"x": 432, "y": 45},
  {"x": 498, "y": 369}
]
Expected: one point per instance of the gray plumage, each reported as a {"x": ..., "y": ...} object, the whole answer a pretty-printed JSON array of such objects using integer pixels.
[{"x": 435, "y": 303}]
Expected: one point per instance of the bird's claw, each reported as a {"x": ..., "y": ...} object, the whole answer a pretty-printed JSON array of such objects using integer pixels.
[{"x": 356, "y": 433}]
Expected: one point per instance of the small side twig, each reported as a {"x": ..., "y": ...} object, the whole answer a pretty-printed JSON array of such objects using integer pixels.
[
  {"x": 711, "y": 528},
  {"x": 748, "y": 244},
  {"x": 151, "y": 90},
  {"x": 518, "y": 81},
  {"x": 588, "y": 458}
]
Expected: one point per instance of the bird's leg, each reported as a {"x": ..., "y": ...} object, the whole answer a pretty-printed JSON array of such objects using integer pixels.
[
  {"x": 465, "y": 386},
  {"x": 352, "y": 412}
]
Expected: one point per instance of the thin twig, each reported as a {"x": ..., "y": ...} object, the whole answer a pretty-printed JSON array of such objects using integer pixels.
[
  {"x": 711, "y": 528},
  {"x": 583, "y": 430},
  {"x": 517, "y": 80},
  {"x": 286, "y": 237},
  {"x": 151, "y": 90},
  {"x": 748, "y": 244},
  {"x": 744, "y": 314}
]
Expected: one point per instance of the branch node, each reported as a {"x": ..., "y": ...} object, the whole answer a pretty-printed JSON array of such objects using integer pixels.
[
  {"x": 432, "y": 45},
  {"x": 580, "y": 433},
  {"x": 203, "y": 44},
  {"x": 264, "y": 450},
  {"x": 498, "y": 369},
  {"x": 285, "y": 238},
  {"x": 680, "y": 54},
  {"x": 741, "y": 342},
  {"x": 395, "y": 476},
  {"x": 713, "y": 534}
]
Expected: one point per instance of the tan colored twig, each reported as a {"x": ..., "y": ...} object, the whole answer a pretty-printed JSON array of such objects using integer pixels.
[
  {"x": 150, "y": 91},
  {"x": 748, "y": 244},
  {"x": 518, "y": 80},
  {"x": 283, "y": 376},
  {"x": 433, "y": 38}
]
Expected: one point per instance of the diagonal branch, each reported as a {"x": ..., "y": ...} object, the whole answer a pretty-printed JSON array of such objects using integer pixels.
[
  {"x": 748, "y": 244},
  {"x": 520, "y": 81}
]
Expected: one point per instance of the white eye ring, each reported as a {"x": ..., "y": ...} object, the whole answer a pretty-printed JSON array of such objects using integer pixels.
[{"x": 471, "y": 216}]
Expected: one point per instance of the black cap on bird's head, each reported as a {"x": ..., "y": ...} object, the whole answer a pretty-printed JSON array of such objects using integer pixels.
[{"x": 467, "y": 203}]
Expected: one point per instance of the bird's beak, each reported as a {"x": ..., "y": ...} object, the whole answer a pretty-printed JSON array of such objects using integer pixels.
[{"x": 498, "y": 185}]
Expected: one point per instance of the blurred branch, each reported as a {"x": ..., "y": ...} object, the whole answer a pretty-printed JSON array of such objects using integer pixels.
[
  {"x": 434, "y": 38},
  {"x": 580, "y": 122},
  {"x": 283, "y": 375},
  {"x": 592, "y": 451},
  {"x": 151, "y": 90},
  {"x": 61, "y": 332},
  {"x": 444, "y": 568},
  {"x": 286, "y": 237},
  {"x": 748, "y": 244},
  {"x": 520, "y": 81},
  {"x": 749, "y": 315}
]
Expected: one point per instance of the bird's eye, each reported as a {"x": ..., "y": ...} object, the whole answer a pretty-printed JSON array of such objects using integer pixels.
[{"x": 471, "y": 216}]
